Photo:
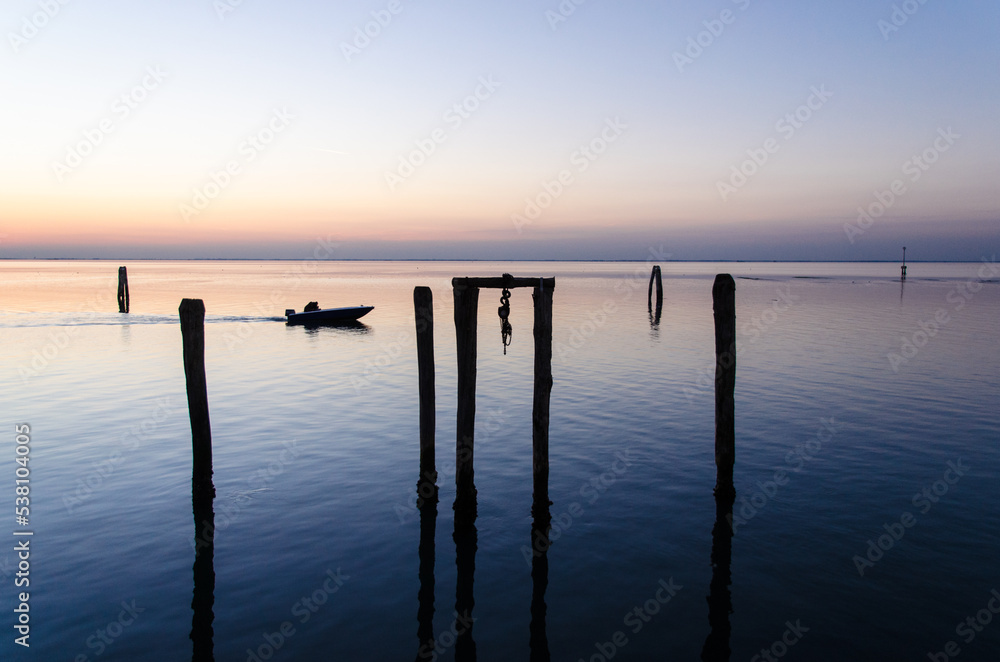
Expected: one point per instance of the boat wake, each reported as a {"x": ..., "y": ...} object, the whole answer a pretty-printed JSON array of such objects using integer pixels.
[{"x": 45, "y": 320}]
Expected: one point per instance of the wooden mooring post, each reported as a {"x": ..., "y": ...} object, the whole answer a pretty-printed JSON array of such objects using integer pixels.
[
  {"x": 423, "y": 310},
  {"x": 655, "y": 276},
  {"x": 466, "y": 319},
  {"x": 192, "y": 314},
  {"x": 724, "y": 307},
  {"x": 466, "y": 293},
  {"x": 123, "y": 302},
  {"x": 542, "y": 391}
]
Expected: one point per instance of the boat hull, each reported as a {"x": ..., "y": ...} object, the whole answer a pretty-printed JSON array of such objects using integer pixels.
[{"x": 329, "y": 315}]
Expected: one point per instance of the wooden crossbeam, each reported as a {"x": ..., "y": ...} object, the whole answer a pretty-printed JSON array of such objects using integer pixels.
[{"x": 499, "y": 283}]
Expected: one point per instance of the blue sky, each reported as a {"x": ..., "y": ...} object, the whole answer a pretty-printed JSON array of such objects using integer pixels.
[{"x": 532, "y": 92}]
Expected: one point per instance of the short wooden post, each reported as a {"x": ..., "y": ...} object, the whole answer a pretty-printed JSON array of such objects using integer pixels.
[
  {"x": 423, "y": 309},
  {"x": 466, "y": 319},
  {"x": 655, "y": 276},
  {"x": 542, "y": 297},
  {"x": 123, "y": 301},
  {"x": 192, "y": 314},
  {"x": 724, "y": 306}
]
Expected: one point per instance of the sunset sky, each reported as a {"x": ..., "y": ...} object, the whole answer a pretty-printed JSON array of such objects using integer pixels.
[{"x": 718, "y": 130}]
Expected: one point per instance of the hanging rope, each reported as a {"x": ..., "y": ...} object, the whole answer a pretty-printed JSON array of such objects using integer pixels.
[{"x": 506, "y": 331}]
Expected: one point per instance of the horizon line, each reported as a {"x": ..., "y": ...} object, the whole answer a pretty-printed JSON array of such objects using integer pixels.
[{"x": 442, "y": 259}]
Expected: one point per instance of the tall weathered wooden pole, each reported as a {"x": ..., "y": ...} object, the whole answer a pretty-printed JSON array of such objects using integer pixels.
[
  {"x": 655, "y": 276},
  {"x": 192, "y": 314},
  {"x": 423, "y": 309},
  {"x": 542, "y": 297},
  {"x": 465, "y": 534},
  {"x": 466, "y": 319},
  {"x": 123, "y": 302},
  {"x": 724, "y": 305}
]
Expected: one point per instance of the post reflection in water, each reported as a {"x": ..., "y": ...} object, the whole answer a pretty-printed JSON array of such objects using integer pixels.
[
  {"x": 203, "y": 600},
  {"x": 654, "y": 319},
  {"x": 538, "y": 640},
  {"x": 425, "y": 597},
  {"x": 466, "y": 543},
  {"x": 720, "y": 604}
]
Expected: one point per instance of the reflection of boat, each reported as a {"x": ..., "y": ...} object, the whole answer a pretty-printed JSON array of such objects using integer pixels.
[{"x": 328, "y": 315}]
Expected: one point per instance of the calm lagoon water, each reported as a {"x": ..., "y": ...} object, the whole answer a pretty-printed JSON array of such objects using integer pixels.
[{"x": 315, "y": 437}]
